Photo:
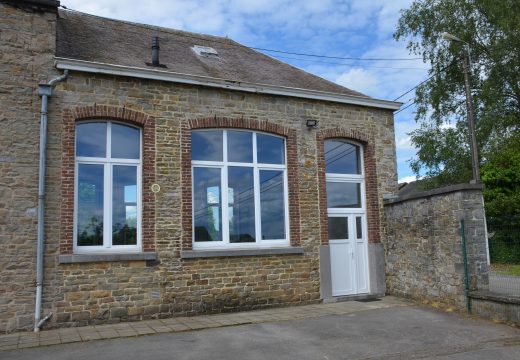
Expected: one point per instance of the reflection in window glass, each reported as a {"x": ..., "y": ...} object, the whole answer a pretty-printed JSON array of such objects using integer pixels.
[
  {"x": 341, "y": 157},
  {"x": 338, "y": 228},
  {"x": 343, "y": 195},
  {"x": 359, "y": 229},
  {"x": 272, "y": 204},
  {"x": 241, "y": 205},
  {"x": 206, "y": 204},
  {"x": 124, "y": 205},
  {"x": 90, "y": 205},
  {"x": 91, "y": 139},
  {"x": 240, "y": 146},
  {"x": 270, "y": 149},
  {"x": 126, "y": 142},
  {"x": 206, "y": 145}
]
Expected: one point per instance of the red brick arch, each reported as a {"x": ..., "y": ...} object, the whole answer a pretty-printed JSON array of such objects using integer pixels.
[
  {"x": 371, "y": 193},
  {"x": 104, "y": 112},
  {"x": 244, "y": 124}
]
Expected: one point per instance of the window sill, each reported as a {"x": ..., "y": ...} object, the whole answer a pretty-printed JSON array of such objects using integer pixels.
[
  {"x": 84, "y": 258},
  {"x": 194, "y": 254}
]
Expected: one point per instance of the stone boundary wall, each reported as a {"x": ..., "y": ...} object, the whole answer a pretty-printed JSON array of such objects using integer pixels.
[{"x": 423, "y": 244}]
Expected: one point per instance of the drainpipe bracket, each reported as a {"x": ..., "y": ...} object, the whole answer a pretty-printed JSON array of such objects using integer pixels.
[{"x": 44, "y": 90}]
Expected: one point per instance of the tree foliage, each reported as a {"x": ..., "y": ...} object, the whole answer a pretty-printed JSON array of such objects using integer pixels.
[{"x": 492, "y": 30}]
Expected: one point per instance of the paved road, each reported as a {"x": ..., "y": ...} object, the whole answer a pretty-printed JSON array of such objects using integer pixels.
[{"x": 392, "y": 333}]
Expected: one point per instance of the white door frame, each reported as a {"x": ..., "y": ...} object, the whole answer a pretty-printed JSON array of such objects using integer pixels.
[
  {"x": 354, "y": 253},
  {"x": 351, "y": 214}
]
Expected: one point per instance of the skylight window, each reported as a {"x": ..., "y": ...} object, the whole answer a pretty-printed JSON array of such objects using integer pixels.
[{"x": 205, "y": 51}]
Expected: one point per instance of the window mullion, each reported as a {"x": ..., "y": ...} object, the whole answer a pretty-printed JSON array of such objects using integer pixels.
[
  {"x": 107, "y": 206},
  {"x": 224, "y": 191},
  {"x": 256, "y": 191},
  {"x": 258, "y": 223},
  {"x": 224, "y": 204}
]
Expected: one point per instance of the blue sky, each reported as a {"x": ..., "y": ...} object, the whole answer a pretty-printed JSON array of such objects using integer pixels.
[{"x": 353, "y": 28}]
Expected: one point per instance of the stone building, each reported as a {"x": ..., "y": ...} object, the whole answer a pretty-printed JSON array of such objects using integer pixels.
[{"x": 182, "y": 174}]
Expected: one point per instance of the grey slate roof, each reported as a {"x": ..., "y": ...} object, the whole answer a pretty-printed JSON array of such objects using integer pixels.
[{"x": 91, "y": 38}]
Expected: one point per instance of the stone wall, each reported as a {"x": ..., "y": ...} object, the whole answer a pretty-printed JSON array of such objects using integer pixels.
[
  {"x": 111, "y": 291},
  {"x": 423, "y": 244},
  {"x": 27, "y": 38},
  {"x": 105, "y": 292}
]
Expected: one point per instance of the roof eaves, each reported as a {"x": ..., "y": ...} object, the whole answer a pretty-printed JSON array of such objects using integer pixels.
[{"x": 161, "y": 75}]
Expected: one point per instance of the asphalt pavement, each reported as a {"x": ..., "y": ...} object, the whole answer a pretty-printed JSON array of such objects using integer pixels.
[{"x": 404, "y": 331}]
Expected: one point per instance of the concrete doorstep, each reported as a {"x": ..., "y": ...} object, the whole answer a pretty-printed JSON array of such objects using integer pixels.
[{"x": 24, "y": 340}]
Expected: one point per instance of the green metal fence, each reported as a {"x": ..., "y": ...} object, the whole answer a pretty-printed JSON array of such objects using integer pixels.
[
  {"x": 504, "y": 240},
  {"x": 504, "y": 251}
]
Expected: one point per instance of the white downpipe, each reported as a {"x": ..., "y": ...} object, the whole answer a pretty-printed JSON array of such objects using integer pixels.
[{"x": 45, "y": 91}]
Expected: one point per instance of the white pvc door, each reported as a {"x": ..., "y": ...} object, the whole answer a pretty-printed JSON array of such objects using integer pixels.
[{"x": 348, "y": 254}]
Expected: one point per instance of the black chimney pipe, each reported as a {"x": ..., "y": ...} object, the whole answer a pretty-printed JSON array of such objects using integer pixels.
[{"x": 155, "y": 51}]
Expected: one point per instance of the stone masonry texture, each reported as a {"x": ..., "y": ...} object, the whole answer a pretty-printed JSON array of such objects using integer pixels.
[
  {"x": 27, "y": 41},
  {"x": 108, "y": 292},
  {"x": 423, "y": 246}
]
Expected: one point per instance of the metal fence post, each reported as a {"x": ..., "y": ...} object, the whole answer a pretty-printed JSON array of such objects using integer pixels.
[{"x": 465, "y": 259}]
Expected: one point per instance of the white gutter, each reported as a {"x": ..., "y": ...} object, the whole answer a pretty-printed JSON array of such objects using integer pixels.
[{"x": 155, "y": 74}]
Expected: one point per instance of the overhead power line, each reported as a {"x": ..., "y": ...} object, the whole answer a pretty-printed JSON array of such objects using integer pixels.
[
  {"x": 424, "y": 81},
  {"x": 233, "y": 43},
  {"x": 403, "y": 109},
  {"x": 351, "y": 64},
  {"x": 335, "y": 57}
]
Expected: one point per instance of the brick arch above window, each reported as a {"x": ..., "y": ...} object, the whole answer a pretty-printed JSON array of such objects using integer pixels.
[
  {"x": 216, "y": 122},
  {"x": 371, "y": 191},
  {"x": 103, "y": 112}
]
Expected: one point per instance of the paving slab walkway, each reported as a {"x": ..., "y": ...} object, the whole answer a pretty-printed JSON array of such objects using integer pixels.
[{"x": 22, "y": 340}]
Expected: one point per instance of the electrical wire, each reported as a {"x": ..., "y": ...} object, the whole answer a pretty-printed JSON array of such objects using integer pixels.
[
  {"x": 233, "y": 43},
  {"x": 424, "y": 81},
  {"x": 352, "y": 64}
]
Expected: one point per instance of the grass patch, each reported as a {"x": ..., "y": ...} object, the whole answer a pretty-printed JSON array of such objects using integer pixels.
[{"x": 506, "y": 269}]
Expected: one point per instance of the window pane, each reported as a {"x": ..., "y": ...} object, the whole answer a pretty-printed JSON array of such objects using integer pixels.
[
  {"x": 343, "y": 195},
  {"x": 272, "y": 204},
  {"x": 241, "y": 208},
  {"x": 338, "y": 228},
  {"x": 124, "y": 205},
  {"x": 270, "y": 149},
  {"x": 206, "y": 204},
  {"x": 359, "y": 229},
  {"x": 90, "y": 205},
  {"x": 91, "y": 139},
  {"x": 206, "y": 145},
  {"x": 126, "y": 142},
  {"x": 341, "y": 157},
  {"x": 240, "y": 146}
]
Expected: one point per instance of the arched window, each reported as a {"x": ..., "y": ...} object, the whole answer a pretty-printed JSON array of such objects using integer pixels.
[
  {"x": 239, "y": 184},
  {"x": 107, "y": 187},
  {"x": 344, "y": 174}
]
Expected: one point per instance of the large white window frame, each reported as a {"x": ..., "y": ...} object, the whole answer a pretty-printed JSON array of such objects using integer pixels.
[
  {"x": 352, "y": 179},
  {"x": 108, "y": 164},
  {"x": 257, "y": 167}
]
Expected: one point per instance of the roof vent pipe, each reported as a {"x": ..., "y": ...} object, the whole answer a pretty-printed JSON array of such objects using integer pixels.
[{"x": 155, "y": 51}]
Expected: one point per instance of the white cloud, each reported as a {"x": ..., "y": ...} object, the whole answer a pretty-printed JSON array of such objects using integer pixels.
[
  {"x": 360, "y": 80},
  {"x": 407, "y": 179}
]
